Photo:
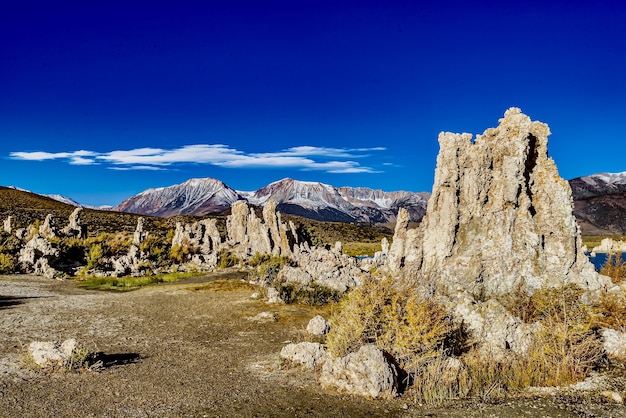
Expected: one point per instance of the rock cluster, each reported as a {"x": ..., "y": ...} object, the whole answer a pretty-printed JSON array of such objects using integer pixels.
[
  {"x": 608, "y": 245},
  {"x": 248, "y": 234},
  {"x": 38, "y": 255}
]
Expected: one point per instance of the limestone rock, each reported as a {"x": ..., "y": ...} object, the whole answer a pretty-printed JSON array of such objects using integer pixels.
[
  {"x": 329, "y": 269},
  {"x": 200, "y": 237},
  {"x": 490, "y": 324},
  {"x": 318, "y": 326},
  {"x": 614, "y": 343},
  {"x": 273, "y": 296},
  {"x": 139, "y": 235},
  {"x": 405, "y": 248},
  {"x": 36, "y": 256},
  {"x": 500, "y": 217},
  {"x": 48, "y": 229},
  {"x": 75, "y": 228},
  {"x": 366, "y": 372},
  {"x": 294, "y": 276},
  {"x": 309, "y": 355},
  {"x": 7, "y": 224},
  {"x": 608, "y": 245},
  {"x": 248, "y": 234},
  {"x": 53, "y": 354}
]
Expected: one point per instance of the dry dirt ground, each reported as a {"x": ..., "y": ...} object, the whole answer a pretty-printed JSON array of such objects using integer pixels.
[{"x": 189, "y": 350}]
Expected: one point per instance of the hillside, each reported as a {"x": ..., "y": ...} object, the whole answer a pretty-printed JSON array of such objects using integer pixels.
[{"x": 27, "y": 208}]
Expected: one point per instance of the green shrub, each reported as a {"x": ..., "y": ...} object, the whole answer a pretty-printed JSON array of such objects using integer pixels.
[
  {"x": 8, "y": 264},
  {"x": 313, "y": 295},
  {"x": 226, "y": 259},
  {"x": 95, "y": 257},
  {"x": 258, "y": 259}
]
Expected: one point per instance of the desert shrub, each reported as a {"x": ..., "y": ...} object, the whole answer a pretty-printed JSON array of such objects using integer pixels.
[
  {"x": 313, "y": 295},
  {"x": 270, "y": 267},
  {"x": 8, "y": 263},
  {"x": 179, "y": 253},
  {"x": 361, "y": 248},
  {"x": 614, "y": 267},
  {"x": 611, "y": 311},
  {"x": 9, "y": 243},
  {"x": 155, "y": 249},
  {"x": 226, "y": 259},
  {"x": 95, "y": 257},
  {"x": 258, "y": 259},
  {"x": 565, "y": 346},
  {"x": 412, "y": 330},
  {"x": 129, "y": 282}
]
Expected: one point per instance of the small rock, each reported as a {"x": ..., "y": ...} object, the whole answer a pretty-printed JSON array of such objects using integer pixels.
[
  {"x": 318, "y": 326},
  {"x": 273, "y": 296},
  {"x": 265, "y": 317},
  {"x": 367, "y": 373},
  {"x": 307, "y": 354}
]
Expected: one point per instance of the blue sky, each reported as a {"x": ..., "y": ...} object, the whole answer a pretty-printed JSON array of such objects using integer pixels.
[{"x": 101, "y": 100}]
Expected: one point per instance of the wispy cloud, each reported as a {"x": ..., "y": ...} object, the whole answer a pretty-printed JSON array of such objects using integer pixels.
[{"x": 331, "y": 160}]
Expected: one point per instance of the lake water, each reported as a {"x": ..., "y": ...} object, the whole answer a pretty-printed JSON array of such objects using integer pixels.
[{"x": 599, "y": 260}]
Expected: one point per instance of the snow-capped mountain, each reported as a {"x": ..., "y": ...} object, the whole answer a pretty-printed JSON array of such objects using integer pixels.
[
  {"x": 600, "y": 203},
  {"x": 63, "y": 199},
  {"x": 344, "y": 204},
  {"x": 309, "y": 199},
  {"x": 598, "y": 184},
  {"x": 193, "y": 197}
]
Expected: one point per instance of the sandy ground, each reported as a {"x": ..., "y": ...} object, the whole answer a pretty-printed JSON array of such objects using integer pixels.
[{"x": 189, "y": 350}]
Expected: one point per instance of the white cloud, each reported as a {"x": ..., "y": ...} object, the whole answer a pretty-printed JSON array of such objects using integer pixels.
[{"x": 300, "y": 158}]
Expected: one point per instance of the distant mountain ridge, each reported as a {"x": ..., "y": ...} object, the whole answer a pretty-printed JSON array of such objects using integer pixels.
[
  {"x": 193, "y": 197},
  {"x": 313, "y": 200},
  {"x": 600, "y": 203}
]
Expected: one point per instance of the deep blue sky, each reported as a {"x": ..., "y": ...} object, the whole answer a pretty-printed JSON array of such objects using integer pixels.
[{"x": 100, "y": 100}]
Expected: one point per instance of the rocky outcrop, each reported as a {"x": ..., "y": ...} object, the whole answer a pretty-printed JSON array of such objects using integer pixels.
[
  {"x": 608, "y": 245},
  {"x": 48, "y": 229},
  {"x": 366, "y": 373},
  {"x": 614, "y": 343},
  {"x": 499, "y": 222},
  {"x": 201, "y": 241},
  {"x": 131, "y": 262},
  {"x": 499, "y": 218},
  {"x": 37, "y": 257},
  {"x": 7, "y": 224},
  {"x": 247, "y": 234},
  {"x": 75, "y": 228}
]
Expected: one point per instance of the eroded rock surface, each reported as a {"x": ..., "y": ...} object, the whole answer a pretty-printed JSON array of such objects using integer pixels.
[
  {"x": 499, "y": 222},
  {"x": 500, "y": 217},
  {"x": 366, "y": 373}
]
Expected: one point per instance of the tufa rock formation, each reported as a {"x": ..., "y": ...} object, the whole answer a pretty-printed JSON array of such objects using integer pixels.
[
  {"x": 7, "y": 224},
  {"x": 499, "y": 219},
  {"x": 75, "y": 228},
  {"x": 499, "y": 222},
  {"x": 249, "y": 235}
]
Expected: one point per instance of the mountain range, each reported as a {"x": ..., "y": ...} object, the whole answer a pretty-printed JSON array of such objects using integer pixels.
[
  {"x": 311, "y": 200},
  {"x": 599, "y": 201}
]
